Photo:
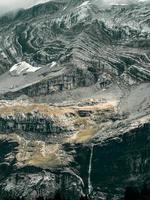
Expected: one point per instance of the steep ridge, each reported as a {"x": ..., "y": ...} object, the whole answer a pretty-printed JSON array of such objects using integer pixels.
[
  {"x": 74, "y": 108},
  {"x": 93, "y": 39}
]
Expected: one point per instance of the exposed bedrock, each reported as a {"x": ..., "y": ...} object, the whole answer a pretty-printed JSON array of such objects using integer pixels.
[
  {"x": 29, "y": 123},
  {"x": 100, "y": 170},
  {"x": 32, "y": 183},
  {"x": 81, "y": 36},
  {"x": 48, "y": 86},
  {"x": 74, "y": 119}
]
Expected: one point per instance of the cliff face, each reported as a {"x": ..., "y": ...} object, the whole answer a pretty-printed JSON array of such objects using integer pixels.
[
  {"x": 74, "y": 150},
  {"x": 74, "y": 108},
  {"x": 36, "y": 124}
]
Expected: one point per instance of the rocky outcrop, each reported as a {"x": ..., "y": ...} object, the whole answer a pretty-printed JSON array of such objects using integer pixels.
[
  {"x": 97, "y": 159},
  {"x": 29, "y": 123},
  {"x": 68, "y": 38},
  {"x": 92, "y": 63},
  {"x": 47, "y": 120},
  {"x": 48, "y": 86},
  {"x": 114, "y": 160},
  {"x": 44, "y": 185}
]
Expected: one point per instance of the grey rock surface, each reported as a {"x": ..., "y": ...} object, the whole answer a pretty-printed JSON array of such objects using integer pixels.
[{"x": 75, "y": 101}]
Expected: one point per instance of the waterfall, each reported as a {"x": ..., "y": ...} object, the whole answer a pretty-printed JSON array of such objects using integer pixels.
[{"x": 89, "y": 171}]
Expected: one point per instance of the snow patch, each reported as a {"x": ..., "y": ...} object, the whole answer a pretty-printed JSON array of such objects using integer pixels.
[
  {"x": 22, "y": 67},
  {"x": 53, "y": 64},
  {"x": 84, "y": 4},
  {"x": 82, "y": 10}
]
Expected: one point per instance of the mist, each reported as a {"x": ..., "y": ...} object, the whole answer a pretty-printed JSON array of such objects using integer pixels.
[
  {"x": 11, "y": 5},
  {"x": 111, "y": 2}
]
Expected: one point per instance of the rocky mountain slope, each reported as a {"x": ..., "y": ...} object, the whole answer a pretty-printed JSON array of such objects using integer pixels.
[{"x": 74, "y": 101}]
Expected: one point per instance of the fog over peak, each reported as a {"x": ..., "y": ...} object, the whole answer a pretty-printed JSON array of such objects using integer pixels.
[
  {"x": 111, "y": 2},
  {"x": 10, "y": 5}
]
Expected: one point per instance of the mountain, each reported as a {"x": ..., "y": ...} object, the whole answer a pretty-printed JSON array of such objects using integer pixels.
[{"x": 74, "y": 101}]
